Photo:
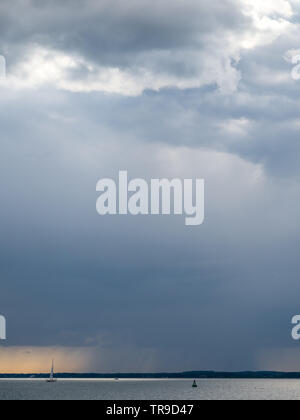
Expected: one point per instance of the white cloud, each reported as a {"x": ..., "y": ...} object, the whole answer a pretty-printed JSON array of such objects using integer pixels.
[
  {"x": 55, "y": 68},
  {"x": 258, "y": 8},
  {"x": 236, "y": 127},
  {"x": 211, "y": 57},
  {"x": 212, "y": 62},
  {"x": 270, "y": 19}
]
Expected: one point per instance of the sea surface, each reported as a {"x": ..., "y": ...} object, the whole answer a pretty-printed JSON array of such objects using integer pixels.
[{"x": 208, "y": 389}]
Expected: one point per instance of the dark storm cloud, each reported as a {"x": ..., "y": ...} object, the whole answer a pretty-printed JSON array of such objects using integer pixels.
[
  {"x": 265, "y": 125},
  {"x": 119, "y": 283},
  {"x": 209, "y": 298},
  {"x": 114, "y": 33}
]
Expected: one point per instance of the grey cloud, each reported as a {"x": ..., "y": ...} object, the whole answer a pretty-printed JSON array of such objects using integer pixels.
[
  {"x": 202, "y": 118},
  {"x": 209, "y": 298},
  {"x": 121, "y": 34},
  {"x": 124, "y": 279}
]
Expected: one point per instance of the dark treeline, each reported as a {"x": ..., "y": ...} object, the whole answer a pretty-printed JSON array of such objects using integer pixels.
[{"x": 183, "y": 375}]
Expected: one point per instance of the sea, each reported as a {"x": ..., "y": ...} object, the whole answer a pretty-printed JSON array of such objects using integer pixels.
[{"x": 164, "y": 390}]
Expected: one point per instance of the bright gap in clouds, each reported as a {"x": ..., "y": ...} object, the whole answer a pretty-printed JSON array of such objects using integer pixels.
[{"x": 29, "y": 360}]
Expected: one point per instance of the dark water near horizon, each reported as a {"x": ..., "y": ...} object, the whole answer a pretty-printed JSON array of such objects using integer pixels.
[{"x": 208, "y": 389}]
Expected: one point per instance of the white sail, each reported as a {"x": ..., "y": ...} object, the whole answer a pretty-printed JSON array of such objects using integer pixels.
[
  {"x": 52, "y": 371},
  {"x": 51, "y": 379}
]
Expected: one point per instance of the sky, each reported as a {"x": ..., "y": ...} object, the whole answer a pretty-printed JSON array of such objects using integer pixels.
[{"x": 175, "y": 89}]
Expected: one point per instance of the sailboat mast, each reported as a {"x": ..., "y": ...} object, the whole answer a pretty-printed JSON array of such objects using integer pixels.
[
  {"x": 51, "y": 379},
  {"x": 52, "y": 370}
]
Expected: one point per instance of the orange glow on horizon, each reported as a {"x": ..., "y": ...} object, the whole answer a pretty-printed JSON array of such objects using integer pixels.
[{"x": 38, "y": 359}]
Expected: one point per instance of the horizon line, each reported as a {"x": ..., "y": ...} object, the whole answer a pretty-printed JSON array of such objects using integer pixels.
[{"x": 202, "y": 372}]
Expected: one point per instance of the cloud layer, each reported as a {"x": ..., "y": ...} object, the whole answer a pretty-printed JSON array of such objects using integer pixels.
[
  {"x": 138, "y": 45},
  {"x": 162, "y": 89}
]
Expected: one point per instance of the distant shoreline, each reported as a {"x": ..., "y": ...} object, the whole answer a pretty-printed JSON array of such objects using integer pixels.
[{"x": 183, "y": 375}]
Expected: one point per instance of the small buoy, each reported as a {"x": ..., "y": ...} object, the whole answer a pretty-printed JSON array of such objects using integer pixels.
[{"x": 195, "y": 384}]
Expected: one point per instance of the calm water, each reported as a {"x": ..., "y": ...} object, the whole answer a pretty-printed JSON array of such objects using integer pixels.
[{"x": 209, "y": 389}]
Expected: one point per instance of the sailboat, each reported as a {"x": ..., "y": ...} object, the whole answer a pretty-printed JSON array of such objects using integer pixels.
[
  {"x": 52, "y": 379},
  {"x": 195, "y": 384}
]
